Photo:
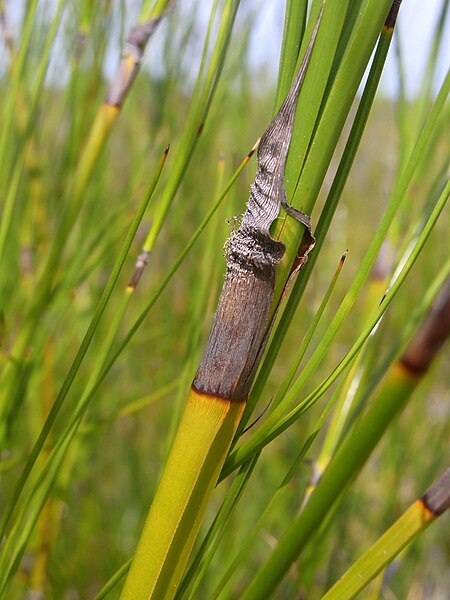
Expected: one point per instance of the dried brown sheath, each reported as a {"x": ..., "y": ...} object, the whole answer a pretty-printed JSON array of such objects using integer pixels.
[
  {"x": 133, "y": 54},
  {"x": 241, "y": 322}
]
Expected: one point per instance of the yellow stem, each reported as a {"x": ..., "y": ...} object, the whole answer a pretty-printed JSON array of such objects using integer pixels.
[{"x": 190, "y": 475}]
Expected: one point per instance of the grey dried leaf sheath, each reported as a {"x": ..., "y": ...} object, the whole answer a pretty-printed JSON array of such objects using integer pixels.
[
  {"x": 132, "y": 56},
  {"x": 241, "y": 322}
]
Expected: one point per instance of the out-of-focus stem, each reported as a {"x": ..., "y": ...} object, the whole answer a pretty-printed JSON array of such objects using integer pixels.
[{"x": 417, "y": 518}]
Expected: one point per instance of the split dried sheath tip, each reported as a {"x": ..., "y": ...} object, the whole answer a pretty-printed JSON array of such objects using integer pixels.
[{"x": 241, "y": 323}]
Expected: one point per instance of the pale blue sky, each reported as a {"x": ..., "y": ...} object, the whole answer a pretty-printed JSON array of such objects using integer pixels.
[{"x": 415, "y": 27}]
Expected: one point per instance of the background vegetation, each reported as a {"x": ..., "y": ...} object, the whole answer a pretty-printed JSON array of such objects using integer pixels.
[{"x": 70, "y": 544}]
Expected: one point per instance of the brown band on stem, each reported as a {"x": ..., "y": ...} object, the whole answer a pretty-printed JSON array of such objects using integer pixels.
[
  {"x": 431, "y": 336},
  {"x": 141, "y": 263},
  {"x": 391, "y": 19},
  {"x": 437, "y": 498},
  {"x": 130, "y": 63},
  {"x": 412, "y": 368},
  {"x": 217, "y": 396},
  {"x": 230, "y": 358}
]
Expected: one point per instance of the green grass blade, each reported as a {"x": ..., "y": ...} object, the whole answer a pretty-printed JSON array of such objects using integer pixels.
[
  {"x": 328, "y": 212},
  {"x": 346, "y": 463}
]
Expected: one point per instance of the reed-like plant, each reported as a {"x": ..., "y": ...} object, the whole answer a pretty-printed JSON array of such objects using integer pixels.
[{"x": 319, "y": 403}]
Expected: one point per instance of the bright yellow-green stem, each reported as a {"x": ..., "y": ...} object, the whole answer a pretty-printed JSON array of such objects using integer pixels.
[
  {"x": 201, "y": 444},
  {"x": 410, "y": 524}
]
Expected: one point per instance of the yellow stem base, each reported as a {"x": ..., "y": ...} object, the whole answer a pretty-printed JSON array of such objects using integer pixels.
[{"x": 196, "y": 458}]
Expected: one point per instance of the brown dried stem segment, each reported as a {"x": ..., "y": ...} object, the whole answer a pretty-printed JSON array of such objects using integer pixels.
[
  {"x": 132, "y": 56},
  {"x": 141, "y": 262},
  {"x": 242, "y": 320},
  {"x": 431, "y": 336},
  {"x": 437, "y": 497}
]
